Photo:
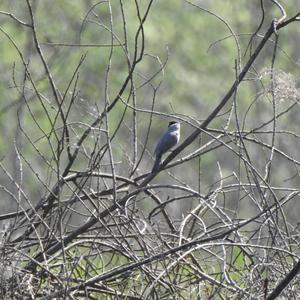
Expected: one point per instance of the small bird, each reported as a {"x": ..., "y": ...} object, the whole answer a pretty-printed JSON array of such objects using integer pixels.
[{"x": 169, "y": 139}]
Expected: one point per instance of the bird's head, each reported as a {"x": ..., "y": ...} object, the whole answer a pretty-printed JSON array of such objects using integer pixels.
[{"x": 174, "y": 126}]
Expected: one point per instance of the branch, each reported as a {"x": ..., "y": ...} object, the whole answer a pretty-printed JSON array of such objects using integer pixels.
[{"x": 285, "y": 281}]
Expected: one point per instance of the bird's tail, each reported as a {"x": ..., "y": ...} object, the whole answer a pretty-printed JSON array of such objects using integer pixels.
[{"x": 156, "y": 164}]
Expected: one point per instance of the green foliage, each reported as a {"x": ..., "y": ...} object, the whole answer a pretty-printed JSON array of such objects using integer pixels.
[{"x": 50, "y": 105}]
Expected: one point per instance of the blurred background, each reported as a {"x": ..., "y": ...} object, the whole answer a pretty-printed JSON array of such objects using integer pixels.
[
  {"x": 86, "y": 93},
  {"x": 191, "y": 52}
]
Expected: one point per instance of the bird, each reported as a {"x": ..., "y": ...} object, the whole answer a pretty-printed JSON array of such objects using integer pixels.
[{"x": 168, "y": 140}]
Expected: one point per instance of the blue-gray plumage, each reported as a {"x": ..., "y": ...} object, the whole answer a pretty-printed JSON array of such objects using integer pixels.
[{"x": 169, "y": 139}]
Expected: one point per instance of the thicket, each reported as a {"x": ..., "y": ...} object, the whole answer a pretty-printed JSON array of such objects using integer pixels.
[{"x": 86, "y": 90}]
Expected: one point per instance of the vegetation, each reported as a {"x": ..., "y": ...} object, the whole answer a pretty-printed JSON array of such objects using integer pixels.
[{"x": 87, "y": 88}]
